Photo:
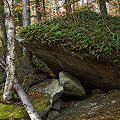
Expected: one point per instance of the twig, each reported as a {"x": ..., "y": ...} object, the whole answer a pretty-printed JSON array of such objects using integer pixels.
[{"x": 108, "y": 27}]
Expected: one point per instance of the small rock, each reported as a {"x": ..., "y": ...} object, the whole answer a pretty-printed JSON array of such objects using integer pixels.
[
  {"x": 57, "y": 105},
  {"x": 98, "y": 91},
  {"x": 71, "y": 85},
  {"x": 52, "y": 114}
]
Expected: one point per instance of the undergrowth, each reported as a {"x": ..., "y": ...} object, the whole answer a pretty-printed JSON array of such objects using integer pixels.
[{"x": 83, "y": 32}]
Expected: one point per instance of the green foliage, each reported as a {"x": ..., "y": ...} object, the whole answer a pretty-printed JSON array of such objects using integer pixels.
[{"x": 79, "y": 32}]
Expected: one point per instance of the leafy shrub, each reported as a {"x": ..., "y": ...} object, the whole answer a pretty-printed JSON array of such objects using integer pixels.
[{"x": 83, "y": 32}]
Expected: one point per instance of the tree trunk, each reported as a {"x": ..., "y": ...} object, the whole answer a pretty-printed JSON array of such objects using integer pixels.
[
  {"x": 118, "y": 7},
  {"x": 67, "y": 5},
  {"x": 25, "y": 100},
  {"x": 27, "y": 65},
  {"x": 87, "y": 4},
  {"x": 3, "y": 32},
  {"x": 102, "y": 6},
  {"x": 10, "y": 64},
  {"x": 82, "y": 2},
  {"x": 26, "y": 12},
  {"x": 38, "y": 13},
  {"x": 44, "y": 13}
]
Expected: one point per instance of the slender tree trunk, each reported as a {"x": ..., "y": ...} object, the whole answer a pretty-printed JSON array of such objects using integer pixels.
[
  {"x": 38, "y": 12},
  {"x": 26, "y": 12},
  {"x": 87, "y": 4},
  {"x": 25, "y": 100},
  {"x": 44, "y": 13},
  {"x": 68, "y": 5},
  {"x": 118, "y": 7},
  {"x": 10, "y": 64},
  {"x": 73, "y": 5},
  {"x": 82, "y": 2},
  {"x": 27, "y": 54},
  {"x": 102, "y": 6},
  {"x": 3, "y": 32}
]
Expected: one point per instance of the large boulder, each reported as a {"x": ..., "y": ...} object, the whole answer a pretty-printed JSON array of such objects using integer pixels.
[
  {"x": 93, "y": 74},
  {"x": 71, "y": 85}
]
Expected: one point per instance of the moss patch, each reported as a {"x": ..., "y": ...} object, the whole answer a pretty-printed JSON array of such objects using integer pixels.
[
  {"x": 39, "y": 100},
  {"x": 8, "y": 111},
  {"x": 15, "y": 111},
  {"x": 11, "y": 111}
]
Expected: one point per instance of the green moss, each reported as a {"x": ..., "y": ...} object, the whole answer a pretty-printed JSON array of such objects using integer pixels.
[
  {"x": 1, "y": 93},
  {"x": 11, "y": 111},
  {"x": 8, "y": 111},
  {"x": 83, "y": 32},
  {"x": 15, "y": 111},
  {"x": 41, "y": 102}
]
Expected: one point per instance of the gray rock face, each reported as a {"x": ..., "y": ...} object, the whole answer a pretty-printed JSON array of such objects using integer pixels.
[
  {"x": 51, "y": 87},
  {"x": 71, "y": 85},
  {"x": 96, "y": 104},
  {"x": 93, "y": 74}
]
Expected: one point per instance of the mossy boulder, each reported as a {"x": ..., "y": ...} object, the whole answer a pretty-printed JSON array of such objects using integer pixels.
[
  {"x": 51, "y": 90},
  {"x": 80, "y": 44},
  {"x": 92, "y": 73}
]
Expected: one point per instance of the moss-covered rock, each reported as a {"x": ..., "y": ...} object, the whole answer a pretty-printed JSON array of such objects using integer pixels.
[
  {"x": 51, "y": 90},
  {"x": 40, "y": 101}
]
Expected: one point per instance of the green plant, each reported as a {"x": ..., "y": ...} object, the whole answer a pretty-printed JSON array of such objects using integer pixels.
[{"x": 83, "y": 32}]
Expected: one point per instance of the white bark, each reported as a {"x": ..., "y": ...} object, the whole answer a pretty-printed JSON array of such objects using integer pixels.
[
  {"x": 27, "y": 65},
  {"x": 26, "y": 12},
  {"x": 10, "y": 65},
  {"x": 27, "y": 104}
]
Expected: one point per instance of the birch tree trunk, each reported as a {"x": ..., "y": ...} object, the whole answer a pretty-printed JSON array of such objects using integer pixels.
[
  {"x": 27, "y": 54},
  {"x": 27, "y": 104},
  {"x": 10, "y": 65}
]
